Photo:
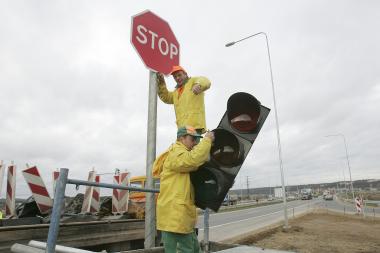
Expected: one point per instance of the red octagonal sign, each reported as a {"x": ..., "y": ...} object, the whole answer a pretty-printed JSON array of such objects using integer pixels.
[{"x": 155, "y": 42}]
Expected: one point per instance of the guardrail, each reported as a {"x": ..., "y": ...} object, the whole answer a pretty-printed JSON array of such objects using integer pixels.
[{"x": 59, "y": 197}]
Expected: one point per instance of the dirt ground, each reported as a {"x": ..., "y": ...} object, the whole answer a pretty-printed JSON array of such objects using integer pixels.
[{"x": 321, "y": 232}]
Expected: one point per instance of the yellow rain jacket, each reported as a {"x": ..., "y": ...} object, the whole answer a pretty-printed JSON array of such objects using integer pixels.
[
  {"x": 176, "y": 211},
  {"x": 189, "y": 108}
]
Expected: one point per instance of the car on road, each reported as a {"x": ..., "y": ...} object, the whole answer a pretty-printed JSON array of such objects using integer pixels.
[
  {"x": 229, "y": 200},
  {"x": 306, "y": 194},
  {"x": 328, "y": 197}
]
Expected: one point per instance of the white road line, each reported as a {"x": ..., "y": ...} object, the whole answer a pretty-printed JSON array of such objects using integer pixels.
[
  {"x": 233, "y": 222},
  {"x": 253, "y": 209}
]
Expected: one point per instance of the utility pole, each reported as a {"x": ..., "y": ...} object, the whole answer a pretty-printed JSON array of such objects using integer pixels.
[
  {"x": 241, "y": 188},
  {"x": 345, "y": 183},
  {"x": 248, "y": 187}
]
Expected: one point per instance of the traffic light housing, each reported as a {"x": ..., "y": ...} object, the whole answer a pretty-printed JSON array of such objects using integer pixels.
[{"x": 234, "y": 137}]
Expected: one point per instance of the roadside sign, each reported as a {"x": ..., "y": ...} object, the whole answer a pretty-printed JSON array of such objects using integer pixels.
[{"x": 155, "y": 42}]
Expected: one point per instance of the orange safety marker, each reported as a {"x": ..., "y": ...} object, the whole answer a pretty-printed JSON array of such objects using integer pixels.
[
  {"x": 38, "y": 189},
  {"x": 124, "y": 194},
  {"x": 86, "y": 207},
  {"x": 2, "y": 169},
  {"x": 10, "y": 202},
  {"x": 95, "y": 201},
  {"x": 116, "y": 196},
  {"x": 55, "y": 178},
  {"x": 358, "y": 204}
]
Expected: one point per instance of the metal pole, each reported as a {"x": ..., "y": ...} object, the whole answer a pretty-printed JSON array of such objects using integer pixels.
[
  {"x": 345, "y": 183},
  {"x": 277, "y": 123},
  {"x": 58, "y": 248},
  {"x": 59, "y": 199},
  {"x": 349, "y": 167},
  {"x": 348, "y": 162},
  {"x": 206, "y": 217},
  {"x": 19, "y": 248},
  {"x": 110, "y": 186},
  {"x": 150, "y": 212}
]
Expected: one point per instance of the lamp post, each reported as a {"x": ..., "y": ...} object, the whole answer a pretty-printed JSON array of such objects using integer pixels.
[
  {"x": 276, "y": 117},
  {"x": 348, "y": 161}
]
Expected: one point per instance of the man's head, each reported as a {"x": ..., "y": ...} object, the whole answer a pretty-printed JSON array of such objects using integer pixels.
[
  {"x": 188, "y": 136},
  {"x": 179, "y": 74}
]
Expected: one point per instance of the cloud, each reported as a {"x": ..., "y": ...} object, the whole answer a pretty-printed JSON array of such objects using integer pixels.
[{"x": 74, "y": 92}]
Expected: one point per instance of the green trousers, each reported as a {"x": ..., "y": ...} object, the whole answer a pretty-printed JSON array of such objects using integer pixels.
[{"x": 180, "y": 243}]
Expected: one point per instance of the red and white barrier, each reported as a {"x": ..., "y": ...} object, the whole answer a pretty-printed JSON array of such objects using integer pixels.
[
  {"x": 55, "y": 178},
  {"x": 10, "y": 202},
  {"x": 124, "y": 194},
  {"x": 86, "y": 207},
  {"x": 358, "y": 204},
  {"x": 116, "y": 196},
  {"x": 95, "y": 201},
  {"x": 2, "y": 169},
  {"x": 38, "y": 189}
]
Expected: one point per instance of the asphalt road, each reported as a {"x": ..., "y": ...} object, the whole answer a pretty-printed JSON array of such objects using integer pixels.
[{"x": 227, "y": 225}]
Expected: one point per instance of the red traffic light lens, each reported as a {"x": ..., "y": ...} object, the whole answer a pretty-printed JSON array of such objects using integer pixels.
[
  {"x": 243, "y": 112},
  {"x": 226, "y": 151}
]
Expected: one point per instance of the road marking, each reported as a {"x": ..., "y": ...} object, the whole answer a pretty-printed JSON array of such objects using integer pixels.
[
  {"x": 229, "y": 223},
  {"x": 252, "y": 209}
]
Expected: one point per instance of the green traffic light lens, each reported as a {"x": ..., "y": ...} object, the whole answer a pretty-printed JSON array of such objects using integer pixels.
[{"x": 243, "y": 112}]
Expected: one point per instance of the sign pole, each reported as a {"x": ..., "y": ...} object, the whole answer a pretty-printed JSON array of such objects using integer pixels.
[{"x": 150, "y": 210}]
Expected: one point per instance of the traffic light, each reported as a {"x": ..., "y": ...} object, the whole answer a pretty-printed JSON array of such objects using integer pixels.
[{"x": 234, "y": 137}]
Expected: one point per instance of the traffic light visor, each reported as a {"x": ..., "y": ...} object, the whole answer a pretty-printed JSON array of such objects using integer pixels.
[
  {"x": 226, "y": 150},
  {"x": 243, "y": 111}
]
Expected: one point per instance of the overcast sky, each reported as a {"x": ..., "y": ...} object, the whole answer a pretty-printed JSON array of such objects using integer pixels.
[{"x": 74, "y": 92}]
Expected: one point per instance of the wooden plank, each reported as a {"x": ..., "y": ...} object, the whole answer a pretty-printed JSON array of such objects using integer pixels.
[{"x": 77, "y": 234}]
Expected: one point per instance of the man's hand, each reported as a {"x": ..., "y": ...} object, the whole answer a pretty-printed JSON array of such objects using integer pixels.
[
  {"x": 197, "y": 89},
  {"x": 210, "y": 135},
  {"x": 160, "y": 78}
]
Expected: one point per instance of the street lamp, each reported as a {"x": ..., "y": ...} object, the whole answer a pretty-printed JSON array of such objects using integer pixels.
[
  {"x": 348, "y": 161},
  {"x": 277, "y": 124}
]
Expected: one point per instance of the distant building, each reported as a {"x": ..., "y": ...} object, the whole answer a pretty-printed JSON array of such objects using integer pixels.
[{"x": 278, "y": 192}]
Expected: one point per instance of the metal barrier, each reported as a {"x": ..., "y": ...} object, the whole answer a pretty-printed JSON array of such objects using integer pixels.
[{"x": 59, "y": 197}]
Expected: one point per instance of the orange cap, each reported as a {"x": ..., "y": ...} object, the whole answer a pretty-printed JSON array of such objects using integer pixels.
[{"x": 177, "y": 68}]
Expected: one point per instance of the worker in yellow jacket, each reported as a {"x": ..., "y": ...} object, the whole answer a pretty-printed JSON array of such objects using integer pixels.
[
  {"x": 188, "y": 98},
  {"x": 176, "y": 211}
]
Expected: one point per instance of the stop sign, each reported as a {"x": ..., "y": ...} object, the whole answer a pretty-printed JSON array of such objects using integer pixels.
[{"x": 155, "y": 42}]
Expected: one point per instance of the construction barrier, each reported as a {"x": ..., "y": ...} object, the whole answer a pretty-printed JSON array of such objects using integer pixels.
[
  {"x": 86, "y": 207},
  {"x": 116, "y": 195},
  {"x": 55, "y": 178},
  {"x": 124, "y": 194},
  {"x": 58, "y": 205},
  {"x": 2, "y": 169},
  {"x": 10, "y": 202},
  {"x": 95, "y": 201},
  {"x": 38, "y": 189},
  {"x": 358, "y": 205}
]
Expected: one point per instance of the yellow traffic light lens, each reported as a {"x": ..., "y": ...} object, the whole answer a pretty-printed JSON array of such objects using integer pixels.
[{"x": 226, "y": 151}]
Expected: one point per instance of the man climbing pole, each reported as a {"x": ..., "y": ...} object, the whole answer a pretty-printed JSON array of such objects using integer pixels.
[{"x": 188, "y": 98}]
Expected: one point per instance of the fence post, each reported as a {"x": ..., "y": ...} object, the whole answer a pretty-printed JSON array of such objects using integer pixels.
[
  {"x": 293, "y": 212},
  {"x": 206, "y": 231},
  {"x": 59, "y": 198}
]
